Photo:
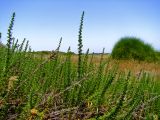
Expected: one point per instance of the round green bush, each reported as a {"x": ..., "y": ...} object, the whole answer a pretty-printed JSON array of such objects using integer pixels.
[{"x": 133, "y": 48}]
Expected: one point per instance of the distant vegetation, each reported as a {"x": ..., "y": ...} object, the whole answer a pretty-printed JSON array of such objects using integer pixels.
[
  {"x": 133, "y": 48},
  {"x": 49, "y": 52},
  {"x": 58, "y": 88}
]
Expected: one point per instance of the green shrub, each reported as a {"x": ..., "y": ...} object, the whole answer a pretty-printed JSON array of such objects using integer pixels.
[{"x": 133, "y": 48}]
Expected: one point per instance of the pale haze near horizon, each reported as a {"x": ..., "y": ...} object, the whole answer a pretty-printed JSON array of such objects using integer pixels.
[{"x": 105, "y": 22}]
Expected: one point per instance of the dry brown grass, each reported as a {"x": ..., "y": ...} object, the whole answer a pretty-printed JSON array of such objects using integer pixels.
[
  {"x": 126, "y": 65},
  {"x": 136, "y": 67},
  {"x": 96, "y": 58}
]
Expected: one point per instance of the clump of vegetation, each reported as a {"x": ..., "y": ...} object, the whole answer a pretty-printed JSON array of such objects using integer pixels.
[
  {"x": 133, "y": 48},
  {"x": 57, "y": 88}
]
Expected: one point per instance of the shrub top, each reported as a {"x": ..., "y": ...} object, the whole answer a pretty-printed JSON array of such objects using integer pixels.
[{"x": 133, "y": 48}]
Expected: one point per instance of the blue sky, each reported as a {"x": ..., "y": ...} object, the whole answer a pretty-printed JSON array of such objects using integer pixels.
[{"x": 43, "y": 22}]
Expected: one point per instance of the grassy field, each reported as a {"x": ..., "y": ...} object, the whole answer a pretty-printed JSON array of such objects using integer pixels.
[
  {"x": 73, "y": 87},
  {"x": 124, "y": 65}
]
